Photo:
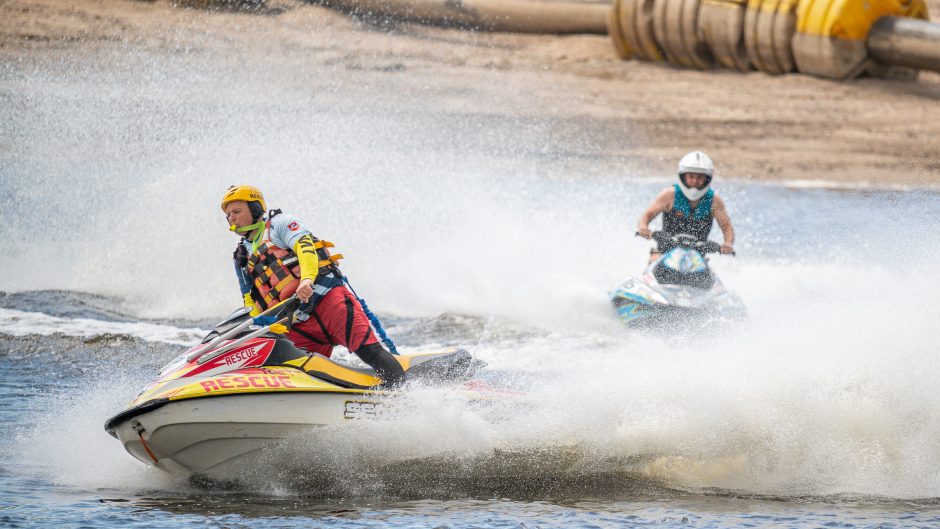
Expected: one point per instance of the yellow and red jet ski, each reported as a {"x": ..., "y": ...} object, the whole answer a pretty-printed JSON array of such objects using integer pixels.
[{"x": 246, "y": 386}]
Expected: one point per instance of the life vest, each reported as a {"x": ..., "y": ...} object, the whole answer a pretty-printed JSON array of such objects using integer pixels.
[
  {"x": 274, "y": 272},
  {"x": 683, "y": 219}
]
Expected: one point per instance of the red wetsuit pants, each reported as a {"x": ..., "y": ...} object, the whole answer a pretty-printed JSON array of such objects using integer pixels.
[{"x": 337, "y": 319}]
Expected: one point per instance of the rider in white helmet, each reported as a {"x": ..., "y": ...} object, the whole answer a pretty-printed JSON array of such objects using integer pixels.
[{"x": 690, "y": 206}]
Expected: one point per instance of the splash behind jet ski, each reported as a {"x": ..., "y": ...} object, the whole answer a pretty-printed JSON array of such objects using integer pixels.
[
  {"x": 679, "y": 286},
  {"x": 245, "y": 387}
]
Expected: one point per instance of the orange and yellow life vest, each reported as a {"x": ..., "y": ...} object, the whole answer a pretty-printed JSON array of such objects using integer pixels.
[{"x": 274, "y": 272}]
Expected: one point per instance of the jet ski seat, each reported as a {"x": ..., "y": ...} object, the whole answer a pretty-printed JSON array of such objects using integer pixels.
[
  {"x": 457, "y": 364},
  {"x": 667, "y": 276}
]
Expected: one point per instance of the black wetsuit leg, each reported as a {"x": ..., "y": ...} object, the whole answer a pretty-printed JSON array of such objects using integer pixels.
[{"x": 384, "y": 364}]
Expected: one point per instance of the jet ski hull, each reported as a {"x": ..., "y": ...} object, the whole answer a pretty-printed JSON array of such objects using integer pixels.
[
  {"x": 679, "y": 287},
  {"x": 638, "y": 314},
  {"x": 214, "y": 435}
]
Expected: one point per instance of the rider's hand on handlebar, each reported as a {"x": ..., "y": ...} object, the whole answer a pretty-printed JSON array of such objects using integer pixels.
[
  {"x": 645, "y": 233},
  {"x": 727, "y": 249},
  {"x": 305, "y": 290}
]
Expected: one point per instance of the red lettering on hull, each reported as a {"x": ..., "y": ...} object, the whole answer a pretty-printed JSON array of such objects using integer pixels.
[{"x": 250, "y": 381}]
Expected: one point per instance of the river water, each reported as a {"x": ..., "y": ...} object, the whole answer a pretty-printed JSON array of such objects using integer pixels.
[{"x": 499, "y": 235}]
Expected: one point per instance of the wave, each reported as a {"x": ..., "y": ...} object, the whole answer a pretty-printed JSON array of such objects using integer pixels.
[{"x": 23, "y": 323}]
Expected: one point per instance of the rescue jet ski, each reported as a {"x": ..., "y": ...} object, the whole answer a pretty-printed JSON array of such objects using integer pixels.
[
  {"x": 245, "y": 387},
  {"x": 677, "y": 287}
]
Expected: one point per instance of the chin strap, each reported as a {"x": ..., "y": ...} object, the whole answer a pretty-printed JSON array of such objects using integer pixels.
[{"x": 246, "y": 230}]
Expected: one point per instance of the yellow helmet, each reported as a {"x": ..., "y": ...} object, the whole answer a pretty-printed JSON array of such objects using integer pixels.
[{"x": 246, "y": 193}]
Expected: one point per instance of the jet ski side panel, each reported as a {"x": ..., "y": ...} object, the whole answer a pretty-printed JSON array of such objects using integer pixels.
[{"x": 200, "y": 435}]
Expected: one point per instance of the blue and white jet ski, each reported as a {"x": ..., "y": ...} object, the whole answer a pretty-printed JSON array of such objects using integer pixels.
[{"x": 677, "y": 287}]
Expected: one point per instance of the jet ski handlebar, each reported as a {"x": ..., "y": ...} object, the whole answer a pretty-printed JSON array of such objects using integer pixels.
[
  {"x": 276, "y": 312},
  {"x": 210, "y": 354},
  {"x": 667, "y": 242}
]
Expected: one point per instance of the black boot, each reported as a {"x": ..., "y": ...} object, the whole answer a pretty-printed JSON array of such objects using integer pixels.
[{"x": 384, "y": 364}]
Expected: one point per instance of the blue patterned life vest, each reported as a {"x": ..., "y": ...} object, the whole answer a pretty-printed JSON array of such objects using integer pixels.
[{"x": 683, "y": 219}]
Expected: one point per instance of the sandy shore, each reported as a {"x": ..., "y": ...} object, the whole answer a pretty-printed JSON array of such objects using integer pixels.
[{"x": 634, "y": 115}]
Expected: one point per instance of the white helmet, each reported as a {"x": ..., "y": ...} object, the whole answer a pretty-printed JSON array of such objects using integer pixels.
[{"x": 695, "y": 162}]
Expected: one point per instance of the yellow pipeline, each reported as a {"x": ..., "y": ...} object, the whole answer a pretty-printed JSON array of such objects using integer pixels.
[
  {"x": 830, "y": 35},
  {"x": 523, "y": 16},
  {"x": 826, "y": 38},
  {"x": 851, "y": 19}
]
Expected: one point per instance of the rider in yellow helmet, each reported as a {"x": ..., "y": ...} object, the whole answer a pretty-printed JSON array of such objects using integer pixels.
[{"x": 279, "y": 257}]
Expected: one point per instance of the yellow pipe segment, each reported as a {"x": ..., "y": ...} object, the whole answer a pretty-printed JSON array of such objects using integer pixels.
[
  {"x": 624, "y": 51},
  {"x": 722, "y": 23},
  {"x": 635, "y": 21},
  {"x": 830, "y": 34},
  {"x": 518, "y": 16},
  {"x": 677, "y": 30},
  {"x": 768, "y": 28}
]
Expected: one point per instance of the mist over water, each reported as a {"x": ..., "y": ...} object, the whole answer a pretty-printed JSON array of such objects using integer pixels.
[{"x": 112, "y": 172}]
